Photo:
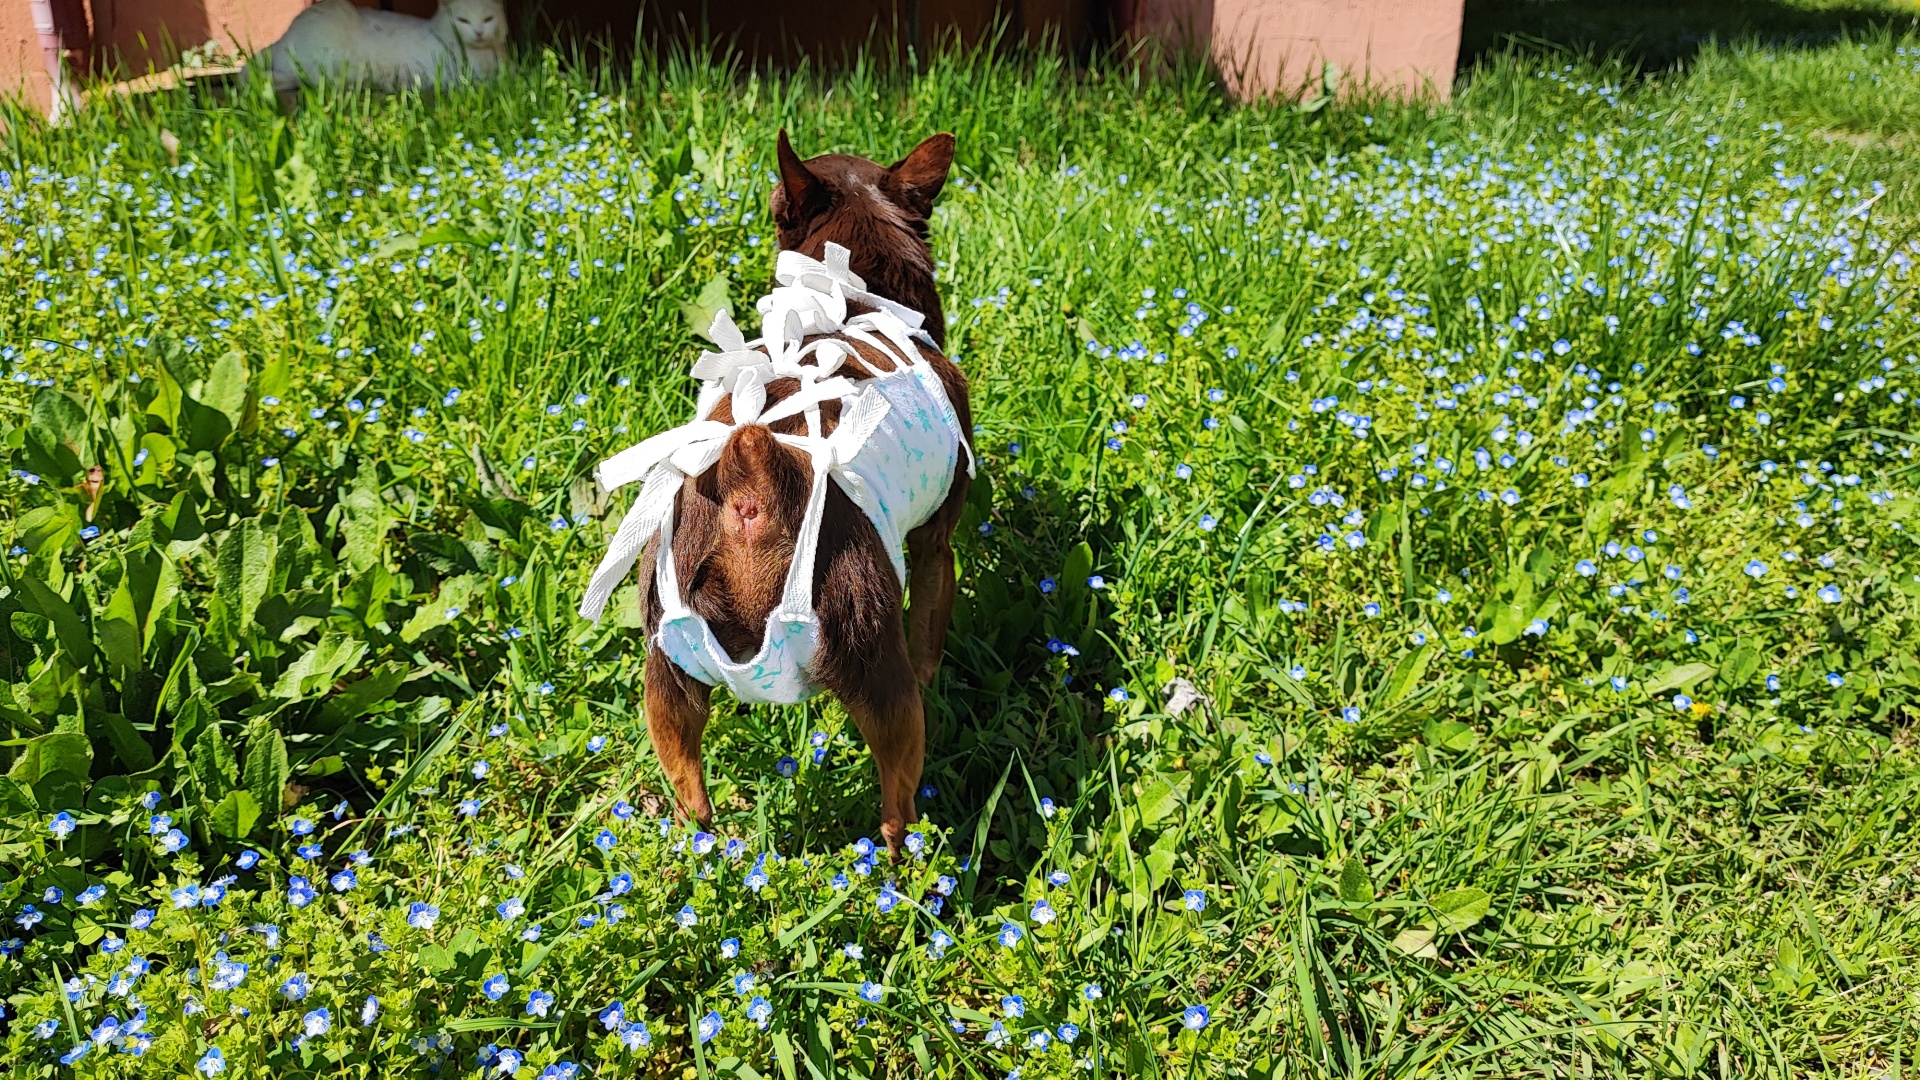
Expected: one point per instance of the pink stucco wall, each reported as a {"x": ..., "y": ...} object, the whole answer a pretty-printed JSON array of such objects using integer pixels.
[
  {"x": 139, "y": 31},
  {"x": 1266, "y": 47},
  {"x": 131, "y": 37}
]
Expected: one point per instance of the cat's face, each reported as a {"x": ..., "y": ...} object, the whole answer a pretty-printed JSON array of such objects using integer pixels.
[{"x": 481, "y": 24}]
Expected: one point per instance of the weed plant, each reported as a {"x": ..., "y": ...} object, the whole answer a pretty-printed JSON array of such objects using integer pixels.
[{"x": 1439, "y": 596}]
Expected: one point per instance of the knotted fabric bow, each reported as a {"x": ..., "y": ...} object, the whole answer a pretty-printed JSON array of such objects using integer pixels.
[{"x": 811, "y": 300}]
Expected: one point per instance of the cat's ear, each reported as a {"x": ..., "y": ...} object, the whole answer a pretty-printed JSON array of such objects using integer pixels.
[
  {"x": 801, "y": 196},
  {"x": 916, "y": 179}
]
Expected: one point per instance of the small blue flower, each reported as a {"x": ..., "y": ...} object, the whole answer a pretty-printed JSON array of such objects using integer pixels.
[
  {"x": 1834, "y": 679},
  {"x": 1009, "y": 935},
  {"x": 495, "y": 987},
  {"x": 539, "y": 1002},
  {"x": 422, "y": 915},
  {"x": 1194, "y": 900},
  {"x": 710, "y": 1026},
  {"x": 872, "y": 992},
  {"x": 1195, "y": 1018},
  {"x": 317, "y": 1023}
]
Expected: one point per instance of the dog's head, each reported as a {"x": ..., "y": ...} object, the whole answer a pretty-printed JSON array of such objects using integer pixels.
[{"x": 879, "y": 214}]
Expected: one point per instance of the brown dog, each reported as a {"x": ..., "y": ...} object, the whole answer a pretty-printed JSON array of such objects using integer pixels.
[{"x": 733, "y": 538}]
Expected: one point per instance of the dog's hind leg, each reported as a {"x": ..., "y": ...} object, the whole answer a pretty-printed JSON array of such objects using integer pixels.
[
  {"x": 863, "y": 656},
  {"x": 676, "y": 720},
  {"x": 895, "y": 727},
  {"x": 930, "y": 587}
]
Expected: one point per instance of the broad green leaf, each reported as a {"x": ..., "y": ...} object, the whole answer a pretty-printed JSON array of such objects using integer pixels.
[
  {"x": 1161, "y": 799},
  {"x": 15, "y": 798},
  {"x": 1161, "y": 858},
  {"x": 1739, "y": 667},
  {"x": 226, "y": 387},
  {"x": 456, "y": 594},
  {"x": 129, "y": 747},
  {"x": 48, "y": 529},
  {"x": 236, "y": 814},
  {"x": 1450, "y": 735},
  {"x": 1407, "y": 675},
  {"x": 1355, "y": 886},
  {"x": 1077, "y": 568},
  {"x": 1461, "y": 909},
  {"x": 1679, "y": 677},
  {"x": 68, "y": 626},
  {"x": 366, "y": 693},
  {"x": 119, "y": 630},
  {"x": 244, "y": 566},
  {"x": 213, "y": 763},
  {"x": 266, "y": 767},
  {"x": 365, "y": 519},
  {"x": 712, "y": 301},
  {"x": 1417, "y": 941},
  {"x": 61, "y": 753},
  {"x": 64, "y": 422},
  {"x": 313, "y": 673},
  {"x": 1508, "y": 621}
]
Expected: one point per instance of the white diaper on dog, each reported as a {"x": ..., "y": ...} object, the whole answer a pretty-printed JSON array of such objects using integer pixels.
[{"x": 893, "y": 453}]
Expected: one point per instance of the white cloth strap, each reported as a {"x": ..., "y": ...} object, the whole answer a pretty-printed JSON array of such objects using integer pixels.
[{"x": 811, "y": 300}]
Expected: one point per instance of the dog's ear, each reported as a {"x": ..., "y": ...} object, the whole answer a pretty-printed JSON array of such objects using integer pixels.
[
  {"x": 916, "y": 179},
  {"x": 801, "y": 196}
]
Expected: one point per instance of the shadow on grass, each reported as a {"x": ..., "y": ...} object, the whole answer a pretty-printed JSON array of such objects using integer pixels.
[
  {"x": 1003, "y": 708},
  {"x": 1653, "y": 35}
]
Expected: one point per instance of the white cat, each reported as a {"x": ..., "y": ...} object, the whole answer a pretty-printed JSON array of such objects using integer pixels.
[{"x": 335, "y": 41}]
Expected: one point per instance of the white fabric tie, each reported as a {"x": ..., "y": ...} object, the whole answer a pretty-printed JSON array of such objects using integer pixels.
[{"x": 895, "y": 465}]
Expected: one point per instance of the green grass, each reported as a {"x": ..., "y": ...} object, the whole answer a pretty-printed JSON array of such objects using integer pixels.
[{"x": 1414, "y": 850}]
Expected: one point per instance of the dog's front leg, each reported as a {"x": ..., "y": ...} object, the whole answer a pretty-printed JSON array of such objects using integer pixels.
[{"x": 676, "y": 720}]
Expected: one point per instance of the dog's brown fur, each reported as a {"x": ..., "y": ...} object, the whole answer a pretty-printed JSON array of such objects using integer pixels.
[{"x": 735, "y": 524}]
